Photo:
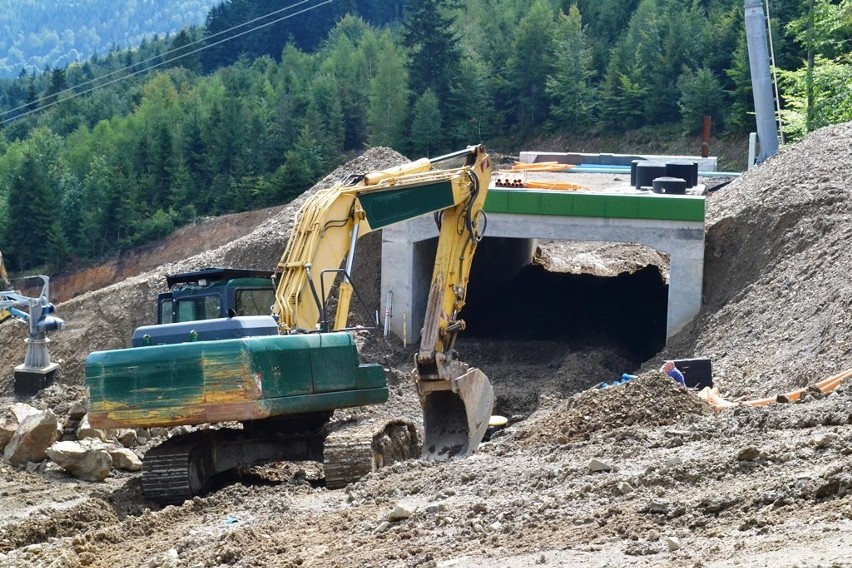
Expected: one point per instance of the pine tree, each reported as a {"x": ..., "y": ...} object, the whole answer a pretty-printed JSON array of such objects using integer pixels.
[
  {"x": 32, "y": 206},
  {"x": 531, "y": 63},
  {"x": 433, "y": 48},
  {"x": 700, "y": 95},
  {"x": 388, "y": 98},
  {"x": 427, "y": 135},
  {"x": 572, "y": 96}
]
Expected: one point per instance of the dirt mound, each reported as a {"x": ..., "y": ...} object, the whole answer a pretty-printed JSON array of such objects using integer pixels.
[
  {"x": 777, "y": 294},
  {"x": 651, "y": 399},
  {"x": 206, "y": 233}
]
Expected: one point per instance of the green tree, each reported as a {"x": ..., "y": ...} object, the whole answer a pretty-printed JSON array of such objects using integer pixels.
[
  {"x": 572, "y": 95},
  {"x": 433, "y": 48},
  {"x": 303, "y": 166},
  {"x": 700, "y": 95},
  {"x": 832, "y": 97},
  {"x": 607, "y": 20},
  {"x": 476, "y": 117},
  {"x": 741, "y": 113},
  {"x": 388, "y": 98},
  {"x": 325, "y": 115},
  {"x": 819, "y": 93},
  {"x": 182, "y": 53},
  {"x": 57, "y": 84},
  {"x": 31, "y": 207},
  {"x": 530, "y": 64},
  {"x": 427, "y": 135}
]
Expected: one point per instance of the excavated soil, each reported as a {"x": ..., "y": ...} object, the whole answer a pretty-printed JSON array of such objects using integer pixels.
[{"x": 640, "y": 474}]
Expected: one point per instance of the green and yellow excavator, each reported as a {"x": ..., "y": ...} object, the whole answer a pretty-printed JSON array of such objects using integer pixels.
[
  {"x": 4, "y": 285},
  {"x": 211, "y": 360}
]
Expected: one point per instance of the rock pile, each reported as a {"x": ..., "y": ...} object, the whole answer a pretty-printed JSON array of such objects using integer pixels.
[{"x": 30, "y": 437}]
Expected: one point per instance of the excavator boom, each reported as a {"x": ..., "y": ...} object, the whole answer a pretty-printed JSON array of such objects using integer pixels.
[{"x": 456, "y": 400}]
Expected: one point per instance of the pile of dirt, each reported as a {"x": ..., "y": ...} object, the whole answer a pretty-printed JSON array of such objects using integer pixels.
[
  {"x": 777, "y": 294},
  {"x": 651, "y": 399}
]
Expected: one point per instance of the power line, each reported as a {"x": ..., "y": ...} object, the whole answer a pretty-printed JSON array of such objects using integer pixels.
[
  {"x": 146, "y": 69},
  {"x": 202, "y": 40}
]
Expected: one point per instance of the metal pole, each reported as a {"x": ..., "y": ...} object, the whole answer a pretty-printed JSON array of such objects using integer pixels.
[{"x": 761, "y": 84}]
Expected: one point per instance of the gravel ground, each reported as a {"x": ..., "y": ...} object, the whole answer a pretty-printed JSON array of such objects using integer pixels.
[{"x": 637, "y": 475}]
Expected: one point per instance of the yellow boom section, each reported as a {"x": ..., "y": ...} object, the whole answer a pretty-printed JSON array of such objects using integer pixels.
[
  {"x": 330, "y": 221},
  {"x": 4, "y": 285}
]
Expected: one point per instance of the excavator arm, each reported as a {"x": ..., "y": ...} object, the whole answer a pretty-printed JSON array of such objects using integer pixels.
[
  {"x": 4, "y": 276},
  {"x": 4, "y": 285},
  {"x": 457, "y": 400}
]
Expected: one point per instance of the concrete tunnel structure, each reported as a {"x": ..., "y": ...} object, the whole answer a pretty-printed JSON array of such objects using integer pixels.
[{"x": 672, "y": 224}]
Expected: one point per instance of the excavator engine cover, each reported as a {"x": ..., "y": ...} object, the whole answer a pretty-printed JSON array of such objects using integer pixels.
[
  {"x": 242, "y": 379},
  {"x": 455, "y": 414}
]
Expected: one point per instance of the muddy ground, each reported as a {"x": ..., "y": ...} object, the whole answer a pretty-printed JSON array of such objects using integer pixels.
[{"x": 675, "y": 484}]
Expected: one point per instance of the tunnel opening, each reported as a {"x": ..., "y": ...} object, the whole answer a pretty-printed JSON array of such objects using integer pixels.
[
  {"x": 628, "y": 310},
  {"x": 534, "y": 331}
]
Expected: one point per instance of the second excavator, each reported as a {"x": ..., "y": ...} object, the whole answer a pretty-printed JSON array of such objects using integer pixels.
[{"x": 281, "y": 375}]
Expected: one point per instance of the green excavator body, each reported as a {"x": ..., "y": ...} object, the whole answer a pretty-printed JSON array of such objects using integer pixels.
[{"x": 249, "y": 378}]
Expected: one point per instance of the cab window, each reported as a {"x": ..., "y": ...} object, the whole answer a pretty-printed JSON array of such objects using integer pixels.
[
  {"x": 254, "y": 302},
  {"x": 166, "y": 307},
  {"x": 198, "y": 308}
]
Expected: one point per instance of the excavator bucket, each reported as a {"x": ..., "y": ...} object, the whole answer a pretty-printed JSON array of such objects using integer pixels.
[{"x": 455, "y": 414}]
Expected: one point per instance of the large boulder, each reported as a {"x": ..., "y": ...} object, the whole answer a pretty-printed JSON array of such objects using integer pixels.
[
  {"x": 23, "y": 411},
  {"x": 122, "y": 458},
  {"x": 33, "y": 436},
  {"x": 88, "y": 460},
  {"x": 10, "y": 418}
]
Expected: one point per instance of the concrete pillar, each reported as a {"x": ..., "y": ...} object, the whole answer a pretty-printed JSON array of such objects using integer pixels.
[
  {"x": 686, "y": 278},
  {"x": 761, "y": 83}
]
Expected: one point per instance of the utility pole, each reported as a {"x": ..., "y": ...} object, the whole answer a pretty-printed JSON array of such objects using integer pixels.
[
  {"x": 761, "y": 84},
  {"x": 809, "y": 120}
]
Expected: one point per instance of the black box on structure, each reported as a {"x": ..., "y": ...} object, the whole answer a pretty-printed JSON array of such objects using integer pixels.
[
  {"x": 29, "y": 381},
  {"x": 697, "y": 373}
]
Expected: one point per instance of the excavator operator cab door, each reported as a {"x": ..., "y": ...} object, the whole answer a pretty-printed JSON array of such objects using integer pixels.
[{"x": 165, "y": 308}]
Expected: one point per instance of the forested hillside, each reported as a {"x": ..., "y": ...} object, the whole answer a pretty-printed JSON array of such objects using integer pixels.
[
  {"x": 36, "y": 34},
  {"x": 104, "y": 155}
]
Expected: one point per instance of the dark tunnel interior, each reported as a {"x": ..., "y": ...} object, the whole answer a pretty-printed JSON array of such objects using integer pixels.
[{"x": 628, "y": 311}]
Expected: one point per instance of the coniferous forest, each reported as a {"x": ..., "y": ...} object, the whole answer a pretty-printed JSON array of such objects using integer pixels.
[
  {"x": 35, "y": 34},
  {"x": 252, "y": 107}
]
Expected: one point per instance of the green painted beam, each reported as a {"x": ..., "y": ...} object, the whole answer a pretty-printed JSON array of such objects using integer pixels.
[
  {"x": 395, "y": 204},
  {"x": 649, "y": 206}
]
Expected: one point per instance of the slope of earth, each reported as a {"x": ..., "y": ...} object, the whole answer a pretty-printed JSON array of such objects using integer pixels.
[
  {"x": 635, "y": 475},
  {"x": 205, "y": 234},
  {"x": 777, "y": 293}
]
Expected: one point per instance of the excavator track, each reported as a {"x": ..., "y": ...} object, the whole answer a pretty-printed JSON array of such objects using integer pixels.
[
  {"x": 184, "y": 465},
  {"x": 170, "y": 471},
  {"x": 354, "y": 450}
]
